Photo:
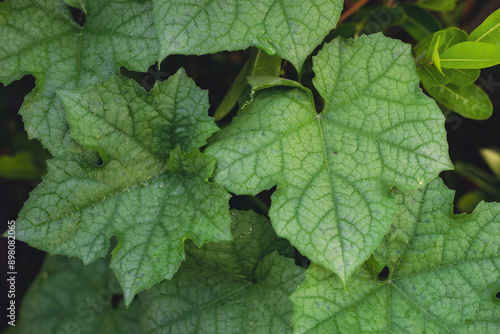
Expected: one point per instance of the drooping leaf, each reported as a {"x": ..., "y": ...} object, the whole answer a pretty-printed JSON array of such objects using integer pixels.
[
  {"x": 443, "y": 271},
  {"x": 436, "y": 76},
  {"x": 471, "y": 55},
  {"x": 68, "y": 297},
  {"x": 277, "y": 27},
  {"x": 41, "y": 38},
  {"x": 227, "y": 287},
  {"x": 469, "y": 101},
  {"x": 147, "y": 193},
  {"x": 334, "y": 170},
  {"x": 489, "y": 30}
]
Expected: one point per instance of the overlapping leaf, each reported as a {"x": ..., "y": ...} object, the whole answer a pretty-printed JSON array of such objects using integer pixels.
[
  {"x": 335, "y": 170},
  {"x": 289, "y": 29},
  {"x": 40, "y": 37},
  {"x": 238, "y": 287},
  {"x": 150, "y": 204},
  {"x": 443, "y": 275},
  {"x": 70, "y": 297}
]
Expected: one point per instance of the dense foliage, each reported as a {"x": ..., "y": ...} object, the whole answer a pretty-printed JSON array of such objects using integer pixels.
[{"x": 360, "y": 233}]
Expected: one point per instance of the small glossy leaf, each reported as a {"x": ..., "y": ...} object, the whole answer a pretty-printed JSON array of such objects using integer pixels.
[
  {"x": 147, "y": 193},
  {"x": 431, "y": 75},
  {"x": 334, "y": 170},
  {"x": 419, "y": 23},
  {"x": 227, "y": 287},
  {"x": 471, "y": 55},
  {"x": 20, "y": 166},
  {"x": 42, "y": 39},
  {"x": 438, "y": 5},
  {"x": 70, "y": 297},
  {"x": 469, "y": 101},
  {"x": 463, "y": 77},
  {"x": 489, "y": 30},
  {"x": 281, "y": 28},
  {"x": 442, "y": 273}
]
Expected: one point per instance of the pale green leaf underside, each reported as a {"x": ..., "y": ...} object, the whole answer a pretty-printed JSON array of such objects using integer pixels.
[
  {"x": 41, "y": 38},
  {"x": 149, "y": 203},
  {"x": 444, "y": 274},
  {"x": 227, "y": 287},
  {"x": 290, "y": 29},
  {"x": 335, "y": 170},
  {"x": 68, "y": 296}
]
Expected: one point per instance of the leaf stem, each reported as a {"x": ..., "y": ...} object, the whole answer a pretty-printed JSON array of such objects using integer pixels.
[{"x": 351, "y": 10}]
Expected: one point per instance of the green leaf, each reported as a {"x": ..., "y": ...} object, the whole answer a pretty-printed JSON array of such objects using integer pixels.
[
  {"x": 258, "y": 64},
  {"x": 20, "y": 166},
  {"x": 419, "y": 23},
  {"x": 281, "y": 28},
  {"x": 334, "y": 170},
  {"x": 471, "y": 55},
  {"x": 441, "y": 41},
  {"x": 434, "y": 53},
  {"x": 239, "y": 287},
  {"x": 469, "y": 101},
  {"x": 438, "y": 5},
  {"x": 147, "y": 193},
  {"x": 41, "y": 38},
  {"x": 463, "y": 77},
  {"x": 431, "y": 75},
  {"x": 443, "y": 274},
  {"x": 70, "y": 297},
  {"x": 489, "y": 30}
]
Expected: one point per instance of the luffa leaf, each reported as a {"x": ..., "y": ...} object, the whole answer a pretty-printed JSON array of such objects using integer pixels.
[
  {"x": 227, "y": 287},
  {"x": 277, "y": 27},
  {"x": 41, "y": 38},
  {"x": 444, "y": 272},
  {"x": 335, "y": 170},
  {"x": 70, "y": 297},
  {"x": 150, "y": 204}
]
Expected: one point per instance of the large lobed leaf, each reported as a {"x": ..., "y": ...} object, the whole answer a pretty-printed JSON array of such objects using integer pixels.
[
  {"x": 147, "y": 193},
  {"x": 68, "y": 297},
  {"x": 335, "y": 169},
  {"x": 444, "y": 273},
  {"x": 227, "y": 287},
  {"x": 40, "y": 37},
  {"x": 278, "y": 27}
]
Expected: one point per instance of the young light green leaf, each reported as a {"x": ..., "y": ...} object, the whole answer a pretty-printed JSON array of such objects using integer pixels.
[
  {"x": 471, "y": 55},
  {"x": 238, "y": 287},
  {"x": 42, "y": 39},
  {"x": 438, "y": 5},
  {"x": 436, "y": 60},
  {"x": 469, "y": 101},
  {"x": 334, "y": 170},
  {"x": 281, "y": 28},
  {"x": 489, "y": 30},
  {"x": 443, "y": 271},
  {"x": 70, "y": 297},
  {"x": 147, "y": 193}
]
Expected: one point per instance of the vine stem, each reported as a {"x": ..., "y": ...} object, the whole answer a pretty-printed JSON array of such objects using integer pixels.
[{"x": 353, "y": 9}]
